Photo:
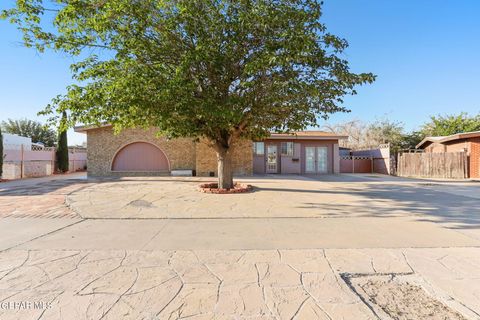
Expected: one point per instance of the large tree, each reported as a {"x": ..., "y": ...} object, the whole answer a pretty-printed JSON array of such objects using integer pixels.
[
  {"x": 451, "y": 124},
  {"x": 368, "y": 135},
  {"x": 221, "y": 70},
  {"x": 29, "y": 128}
]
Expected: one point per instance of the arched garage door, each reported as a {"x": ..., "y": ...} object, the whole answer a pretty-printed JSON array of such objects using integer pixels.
[{"x": 140, "y": 157}]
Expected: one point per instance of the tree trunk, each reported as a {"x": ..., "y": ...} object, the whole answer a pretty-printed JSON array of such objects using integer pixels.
[{"x": 225, "y": 174}]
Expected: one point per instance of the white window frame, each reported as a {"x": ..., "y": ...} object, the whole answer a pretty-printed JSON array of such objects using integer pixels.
[
  {"x": 256, "y": 148},
  {"x": 290, "y": 151}
]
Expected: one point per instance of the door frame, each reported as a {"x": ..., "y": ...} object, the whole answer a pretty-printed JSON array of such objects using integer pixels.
[
  {"x": 318, "y": 161},
  {"x": 314, "y": 160},
  {"x": 277, "y": 160},
  {"x": 316, "y": 147}
]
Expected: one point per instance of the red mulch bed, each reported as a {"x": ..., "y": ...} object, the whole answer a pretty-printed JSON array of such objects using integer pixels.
[{"x": 212, "y": 187}]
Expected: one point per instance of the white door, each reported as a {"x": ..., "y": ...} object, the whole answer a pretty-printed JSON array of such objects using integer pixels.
[
  {"x": 316, "y": 160},
  {"x": 310, "y": 160},
  {"x": 272, "y": 159},
  {"x": 322, "y": 160}
]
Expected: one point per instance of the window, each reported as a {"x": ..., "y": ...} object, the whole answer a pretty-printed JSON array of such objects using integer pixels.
[
  {"x": 258, "y": 148},
  {"x": 287, "y": 149}
]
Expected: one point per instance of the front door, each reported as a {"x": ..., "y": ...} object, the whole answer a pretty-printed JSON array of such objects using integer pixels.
[
  {"x": 316, "y": 160},
  {"x": 272, "y": 159},
  {"x": 310, "y": 161},
  {"x": 322, "y": 160}
]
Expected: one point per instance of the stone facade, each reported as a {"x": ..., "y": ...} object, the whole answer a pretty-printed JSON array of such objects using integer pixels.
[
  {"x": 182, "y": 153},
  {"x": 242, "y": 158}
]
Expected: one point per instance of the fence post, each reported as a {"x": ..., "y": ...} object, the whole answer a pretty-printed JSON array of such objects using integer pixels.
[
  {"x": 398, "y": 164},
  {"x": 22, "y": 157},
  {"x": 371, "y": 163},
  {"x": 353, "y": 164},
  {"x": 52, "y": 150},
  {"x": 73, "y": 160}
]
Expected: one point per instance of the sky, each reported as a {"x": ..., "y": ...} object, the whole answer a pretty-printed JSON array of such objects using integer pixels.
[{"x": 425, "y": 53}]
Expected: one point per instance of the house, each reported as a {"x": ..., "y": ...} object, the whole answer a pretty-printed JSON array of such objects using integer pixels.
[
  {"x": 304, "y": 152},
  {"x": 468, "y": 142},
  {"x": 15, "y": 142},
  {"x": 143, "y": 152}
]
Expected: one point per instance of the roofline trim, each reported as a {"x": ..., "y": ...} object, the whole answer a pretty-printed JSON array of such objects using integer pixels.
[
  {"x": 273, "y": 136},
  {"x": 306, "y": 137},
  {"x": 83, "y": 129},
  {"x": 457, "y": 136}
]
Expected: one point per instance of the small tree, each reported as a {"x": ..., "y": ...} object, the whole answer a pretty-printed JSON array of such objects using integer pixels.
[
  {"x": 62, "y": 146},
  {"x": 1, "y": 153},
  {"x": 220, "y": 70}
]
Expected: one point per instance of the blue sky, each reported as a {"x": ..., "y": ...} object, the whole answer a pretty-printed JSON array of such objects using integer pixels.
[{"x": 426, "y": 54}]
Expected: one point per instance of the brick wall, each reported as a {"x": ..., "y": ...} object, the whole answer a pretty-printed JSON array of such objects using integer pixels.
[
  {"x": 475, "y": 158},
  {"x": 242, "y": 158},
  {"x": 182, "y": 153},
  {"x": 458, "y": 146},
  {"x": 103, "y": 144}
]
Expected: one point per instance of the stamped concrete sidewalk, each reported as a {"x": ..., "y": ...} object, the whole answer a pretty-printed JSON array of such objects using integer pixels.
[
  {"x": 337, "y": 247},
  {"x": 268, "y": 284}
]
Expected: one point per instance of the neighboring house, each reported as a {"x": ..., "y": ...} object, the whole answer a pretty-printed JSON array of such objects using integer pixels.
[
  {"x": 468, "y": 142},
  {"x": 143, "y": 152},
  {"x": 15, "y": 142}
]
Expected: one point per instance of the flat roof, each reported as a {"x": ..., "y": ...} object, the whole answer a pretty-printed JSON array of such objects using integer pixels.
[{"x": 307, "y": 134}]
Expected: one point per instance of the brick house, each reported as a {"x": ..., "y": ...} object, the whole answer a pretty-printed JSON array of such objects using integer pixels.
[
  {"x": 468, "y": 142},
  {"x": 143, "y": 152}
]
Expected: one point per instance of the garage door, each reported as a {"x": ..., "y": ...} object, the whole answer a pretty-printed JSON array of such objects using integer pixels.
[{"x": 140, "y": 157}]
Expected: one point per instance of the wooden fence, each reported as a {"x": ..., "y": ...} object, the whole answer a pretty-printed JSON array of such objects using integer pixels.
[
  {"x": 354, "y": 164},
  {"x": 446, "y": 165}
]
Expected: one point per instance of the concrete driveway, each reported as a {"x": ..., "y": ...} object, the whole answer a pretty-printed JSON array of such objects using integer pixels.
[{"x": 332, "y": 247}]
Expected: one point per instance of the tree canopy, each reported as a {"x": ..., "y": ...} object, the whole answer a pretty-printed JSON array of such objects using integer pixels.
[
  {"x": 35, "y": 130},
  {"x": 451, "y": 124},
  {"x": 215, "y": 69},
  {"x": 369, "y": 135},
  {"x": 365, "y": 135}
]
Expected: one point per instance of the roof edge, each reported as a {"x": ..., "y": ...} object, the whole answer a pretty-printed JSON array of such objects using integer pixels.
[
  {"x": 425, "y": 140},
  {"x": 456, "y": 136},
  {"x": 84, "y": 129},
  {"x": 276, "y": 136},
  {"x": 306, "y": 136}
]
